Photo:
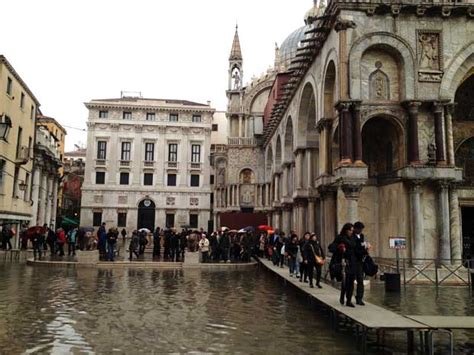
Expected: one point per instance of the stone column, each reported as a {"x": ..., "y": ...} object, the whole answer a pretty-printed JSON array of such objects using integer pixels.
[
  {"x": 357, "y": 133},
  {"x": 255, "y": 198},
  {"x": 42, "y": 203},
  {"x": 413, "y": 145},
  {"x": 449, "y": 134},
  {"x": 286, "y": 175},
  {"x": 49, "y": 201},
  {"x": 444, "y": 222},
  {"x": 277, "y": 187},
  {"x": 227, "y": 196},
  {"x": 240, "y": 126},
  {"x": 267, "y": 194},
  {"x": 416, "y": 221},
  {"x": 352, "y": 194},
  {"x": 310, "y": 167},
  {"x": 35, "y": 195},
  {"x": 311, "y": 216},
  {"x": 438, "y": 109},
  {"x": 299, "y": 168},
  {"x": 277, "y": 215},
  {"x": 455, "y": 226},
  {"x": 301, "y": 221},
  {"x": 55, "y": 201},
  {"x": 286, "y": 224},
  {"x": 345, "y": 133}
]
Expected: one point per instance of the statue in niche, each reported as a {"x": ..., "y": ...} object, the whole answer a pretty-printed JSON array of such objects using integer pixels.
[
  {"x": 429, "y": 58},
  {"x": 247, "y": 176},
  {"x": 379, "y": 84},
  {"x": 236, "y": 77},
  {"x": 247, "y": 195},
  {"x": 221, "y": 172},
  {"x": 431, "y": 154}
]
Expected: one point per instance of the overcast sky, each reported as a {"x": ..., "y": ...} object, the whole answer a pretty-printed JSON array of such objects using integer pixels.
[{"x": 72, "y": 51}]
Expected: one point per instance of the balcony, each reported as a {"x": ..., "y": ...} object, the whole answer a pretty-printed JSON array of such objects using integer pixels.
[
  {"x": 172, "y": 165},
  {"x": 100, "y": 162},
  {"x": 124, "y": 163},
  {"x": 194, "y": 166},
  {"x": 148, "y": 164},
  {"x": 242, "y": 141},
  {"x": 23, "y": 155}
]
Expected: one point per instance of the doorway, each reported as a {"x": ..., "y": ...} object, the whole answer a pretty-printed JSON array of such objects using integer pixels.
[
  {"x": 146, "y": 215},
  {"x": 467, "y": 214}
]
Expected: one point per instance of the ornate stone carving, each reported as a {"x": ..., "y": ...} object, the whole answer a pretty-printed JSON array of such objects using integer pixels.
[
  {"x": 247, "y": 195},
  {"x": 342, "y": 25},
  {"x": 122, "y": 200},
  {"x": 429, "y": 55},
  {"x": 138, "y": 128},
  {"x": 98, "y": 199},
  {"x": 379, "y": 84},
  {"x": 170, "y": 201},
  {"x": 194, "y": 201}
]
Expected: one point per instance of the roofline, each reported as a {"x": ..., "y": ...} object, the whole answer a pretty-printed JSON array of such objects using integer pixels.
[
  {"x": 105, "y": 104},
  {"x": 12, "y": 70},
  {"x": 47, "y": 118}
]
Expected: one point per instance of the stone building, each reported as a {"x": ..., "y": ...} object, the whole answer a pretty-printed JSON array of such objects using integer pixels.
[
  {"x": 74, "y": 168},
  {"x": 18, "y": 107},
  {"x": 147, "y": 163},
  {"x": 371, "y": 120}
]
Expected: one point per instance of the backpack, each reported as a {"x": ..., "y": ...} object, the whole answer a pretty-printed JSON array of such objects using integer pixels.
[{"x": 369, "y": 266}]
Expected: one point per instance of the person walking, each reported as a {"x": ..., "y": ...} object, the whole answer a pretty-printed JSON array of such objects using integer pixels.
[
  {"x": 124, "y": 235},
  {"x": 112, "y": 237},
  {"x": 361, "y": 251},
  {"x": 134, "y": 245},
  {"x": 224, "y": 246},
  {"x": 7, "y": 235},
  {"x": 71, "y": 242},
  {"x": 348, "y": 248},
  {"x": 309, "y": 260},
  {"x": 292, "y": 254},
  {"x": 204, "y": 248},
  {"x": 156, "y": 243},
  {"x": 37, "y": 245},
  {"x": 50, "y": 240},
  {"x": 143, "y": 241},
  {"x": 319, "y": 256},
  {"x": 174, "y": 246},
  {"x": 102, "y": 241},
  {"x": 61, "y": 240},
  {"x": 23, "y": 238},
  {"x": 303, "y": 265}
]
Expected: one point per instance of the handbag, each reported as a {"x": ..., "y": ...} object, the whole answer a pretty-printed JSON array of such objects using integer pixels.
[
  {"x": 369, "y": 266},
  {"x": 319, "y": 260}
]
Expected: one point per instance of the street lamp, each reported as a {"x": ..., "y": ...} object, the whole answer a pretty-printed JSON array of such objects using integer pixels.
[{"x": 5, "y": 125}]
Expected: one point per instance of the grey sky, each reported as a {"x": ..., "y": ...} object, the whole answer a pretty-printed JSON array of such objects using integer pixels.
[{"x": 71, "y": 51}]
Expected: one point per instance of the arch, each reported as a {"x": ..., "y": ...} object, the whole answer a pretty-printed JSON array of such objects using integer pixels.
[
  {"x": 397, "y": 45},
  {"x": 457, "y": 71},
  {"x": 246, "y": 176},
  {"x": 464, "y": 99},
  {"x": 383, "y": 145},
  {"x": 289, "y": 144},
  {"x": 306, "y": 134},
  {"x": 278, "y": 150},
  {"x": 146, "y": 214},
  {"x": 464, "y": 158},
  {"x": 329, "y": 90}
]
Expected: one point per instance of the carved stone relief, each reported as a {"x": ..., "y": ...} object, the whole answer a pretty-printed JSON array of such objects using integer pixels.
[
  {"x": 194, "y": 201},
  {"x": 170, "y": 201},
  {"x": 429, "y": 56},
  {"x": 98, "y": 199},
  {"x": 123, "y": 199},
  {"x": 247, "y": 195},
  {"x": 379, "y": 84}
]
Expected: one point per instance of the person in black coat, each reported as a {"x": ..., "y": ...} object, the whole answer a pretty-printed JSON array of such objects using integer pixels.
[
  {"x": 303, "y": 265},
  {"x": 360, "y": 253},
  {"x": 156, "y": 243},
  {"x": 318, "y": 250},
  {"x": 348, "y": 246},
  {"x": 174, "y": 246},
  {"x": 167, "y": 244},
  {"x": 224, "y": 246},
  {"x": 309, "y": 260}
]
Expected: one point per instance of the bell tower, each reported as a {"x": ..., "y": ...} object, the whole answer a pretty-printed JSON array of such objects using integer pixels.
[
  {"x": 235, "y": 91},
  {"x": 235, "y": 63}
]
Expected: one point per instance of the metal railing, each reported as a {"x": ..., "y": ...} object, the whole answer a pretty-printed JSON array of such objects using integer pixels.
[{"x": 437, "y": 272}]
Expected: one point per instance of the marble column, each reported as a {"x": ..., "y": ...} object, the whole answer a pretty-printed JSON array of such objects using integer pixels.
[
  {"x": 35, "y": 195},
  {"x": 357, "y": 133},
  {"x": 301, "y": 226},
  {"x": 413, "y": 144},
  {"x": 418, "y": 243},
  {"x": 345, "y": 133},
  {"x": 310, "y": 167},
  {"x": 286, "y": 224},
  {"x": 240, "y": 126},
  {"x": 286, "y": 174},
  {"x": 227, "y": 196},
  {"x": 455, "y": 226},
  {"x": 277, "y": 188},
  {"x": 311, "y": 216},
  {"x": 42, "y": 203},
  {"x": 449, "y": 134},
  {"x": 277, "y": 215},
  {"x": 49, "y": 201},
  {"x": 352, "y": 194},
  {"x": 255, "y": 198},
  {"x": 444, "y": 222},
  {"x": 299, "y": 168},
  {"x": 55, "y": 201},
  {"x": 438, "y": 109}
]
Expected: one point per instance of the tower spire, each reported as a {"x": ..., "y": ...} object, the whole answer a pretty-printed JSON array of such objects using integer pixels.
[{"x": 236, "y": 52}]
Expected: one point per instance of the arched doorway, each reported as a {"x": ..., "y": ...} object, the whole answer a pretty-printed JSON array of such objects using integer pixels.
[
  {"x": 382, "y": 146},
  {"x": 146, "y": 214},
  {"x": 464, "y": 99}
]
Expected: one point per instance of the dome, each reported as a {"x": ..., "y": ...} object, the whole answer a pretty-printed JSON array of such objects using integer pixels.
[{"x": 291, "y": 44}]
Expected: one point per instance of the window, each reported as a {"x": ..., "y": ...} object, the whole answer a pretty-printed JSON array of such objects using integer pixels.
[
  {"x": 150, "y": 116},
  {"x": 127, "y": 116},
  {"x": 169, "y": 220},
  {"x": 173, "y": 117},
  {"x": 15, "y": 181},
  {"x": 173, "y": 152},
  {"x": 18, "y": 142},
  {"x": 148, "y": 179},
  {"x": 9, "y": 86},
  {"x": 149, "y": 151},
  {"x": 30, "y": 142},
  {"x": 212, "y": 198},
  {"x": 126, "y": 151},
  {"x": 101, "y": 150},
  {"x": 122, "y": 219},
  {"x": 2, "y": 171},
  {"x": 195, "y": 180},
  {"x": 26, "y": 197},
  {"x": 100, "y": 177},
  {"x": 22, "y": 100},
  {"x": 97, "y": 219},
  {"x": 196, "y": 118},
  {"x": 124, "y": 177},
  {"x": 212, "y": 180},
  {"x": 193, "y": 220},
  {"x": 171, "y": 179},
  {"x": 215, "y": 127},
  {"x": 103, "y": 114},
  {"x": 32, "y": 112},
  {"x": 195, "y": 153}
]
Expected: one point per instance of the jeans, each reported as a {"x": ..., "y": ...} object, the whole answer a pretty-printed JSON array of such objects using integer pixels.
[
  {"x": 71, "y": 249},
  {"x": 111, "y": 251},
  {"x": 205, "y": 256},
  {"x": 292, "y": 264},
  {"x": 297, "y": 268},
  {"x": 36, "y": 250}
]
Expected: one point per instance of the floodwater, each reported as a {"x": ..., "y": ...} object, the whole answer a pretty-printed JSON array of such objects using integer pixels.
[{"x": 52, "y": 310}]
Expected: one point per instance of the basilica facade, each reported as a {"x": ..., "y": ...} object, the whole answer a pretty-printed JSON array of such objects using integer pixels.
[{"x": 367, "y": 114}]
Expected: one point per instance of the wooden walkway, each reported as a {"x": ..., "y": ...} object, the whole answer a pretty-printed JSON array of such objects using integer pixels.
[{"x": 372, "y": 317}]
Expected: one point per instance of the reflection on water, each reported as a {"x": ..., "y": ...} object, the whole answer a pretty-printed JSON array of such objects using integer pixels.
[{"x": 144, "y": 311}]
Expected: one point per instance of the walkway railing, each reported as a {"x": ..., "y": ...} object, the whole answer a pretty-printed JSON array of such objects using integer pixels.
[{"x": 437, "y": 272}]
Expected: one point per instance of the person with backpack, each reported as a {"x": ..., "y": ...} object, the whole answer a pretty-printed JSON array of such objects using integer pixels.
[
  {"x": 71, "y": 242},
  {"x": 112, "y": 237}
]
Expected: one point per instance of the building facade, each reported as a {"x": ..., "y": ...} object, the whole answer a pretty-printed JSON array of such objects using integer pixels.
[
  {"x": 147, "y": 164},
  {"x": 18, "y": 107},
  {"x": 372, "y": 120},
  {"x": 74, "y": 169}
]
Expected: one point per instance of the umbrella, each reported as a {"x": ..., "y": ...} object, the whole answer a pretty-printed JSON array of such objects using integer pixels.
[
  {"x": 224, "y": 229},
  {"x": 146, "y": 230},
  {"x": 249, "y": 229},
  {"x": 36, "y": 229},
  {"x": 264, "y": 227},
  {"x": 270, "y": 231},
  {"x": 86, "y": 229},
  {"x": 233, "y": 231}
]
